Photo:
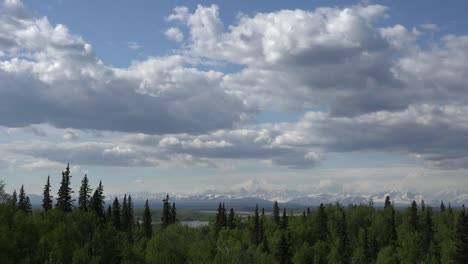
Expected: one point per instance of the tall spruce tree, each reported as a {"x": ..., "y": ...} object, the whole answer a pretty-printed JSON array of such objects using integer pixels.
[
  {"x": 343, "y": 246},
  {"x": 284, "y": 220},
  {"x": 23, "y": 202},
  {"x": 276, "y": 213},
  {"x": 231, "y": 221},
  {"x": 166, "y": 213},
  {"x": 147, "y": 221},
  {"x": 14, "y": 199},
  {"x": 283, "y": 253},
  {"x": 124, "y": 216},
  {"x": 413, "y": 220},
  {"x": 442, "y": 206},
  {"x": 130, "y": 212},
  {"x": 174, "y": 214},
  {"x": 461, "y": 238},
  {"x": 97, "y": 201},
  {"x": 221, "y": 219},
  {"x": 84, "y": 195},
  {"x": 387, "y": 202},
  {"x": 257, "y": 231},
  {"x": 64, "y": 198},
  {"x": 116, "y": 214},
  {"x": 321, "y": 230},
  {"x": 46, "y": 197}
]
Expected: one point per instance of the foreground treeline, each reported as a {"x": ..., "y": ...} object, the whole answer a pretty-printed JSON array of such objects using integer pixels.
[{"x": 85, "y": 231}]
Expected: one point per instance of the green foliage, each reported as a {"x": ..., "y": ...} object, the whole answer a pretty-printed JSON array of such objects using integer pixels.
[
  {"x": 327, "y": 234},
  {"x": 84, "y": 195},
  {"x": 47, "y": 198},
  {"x": 64, "y": 198},
  {"x": 147, "y": 221}
]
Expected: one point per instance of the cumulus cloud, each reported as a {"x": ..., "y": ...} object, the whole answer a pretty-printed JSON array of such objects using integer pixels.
[
  {"x": 375, "y": 88},
  {"x": 56, "y": 78},
  {"x": 175, "y": 34}
]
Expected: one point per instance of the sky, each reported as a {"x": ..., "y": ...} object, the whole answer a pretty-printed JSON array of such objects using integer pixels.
[{"x": 185, "y": 96}]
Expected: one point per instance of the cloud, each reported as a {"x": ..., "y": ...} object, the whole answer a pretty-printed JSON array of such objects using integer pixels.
[
  {"x": 133, "y": 45},
  {"x": 175, "y": 34},
  {"x": 430, "y": 26},
  {"x": 70, "y": 135},
  {"x": 57, "y": 79}
]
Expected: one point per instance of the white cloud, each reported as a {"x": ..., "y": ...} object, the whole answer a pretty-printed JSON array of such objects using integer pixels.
[
  {"x": 133, "y": 45},
  {"x": 70, "y": 135},
  {"x": 175, "y": 34}
]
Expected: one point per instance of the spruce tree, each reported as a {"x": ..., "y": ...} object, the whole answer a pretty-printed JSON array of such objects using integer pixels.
[
  {"x": 321, "y": 223},
  {"x": 47, "y": 198},
  {"x": 130, "y": 212},
  {"x": 84, "y": 195},
  {"x": 442, "y": 206},
  {"x": 221, "y": 219},
  {"x": 256, "y": 229},
  {"x": 343, "y": 247},
  {"x": 116, "y": 214},
  {"x": 231, "y": 219},
  {"x": 413, "y": 220},
  {"x": 124, "y": 215},
  {"x": 108, "y": 217},
  {"x": 166, "y": 213},
  {"x": 284, "y": 220},
  {"x": 147, "y": 220},
  {"x": 23, "y": 202},
  {"x": 423, "y": 205},
  {"x": 276, "y": 213},
  {"x": 387, "y": 202},
  {"x": 461, "y": 238},
  {"x": 283, "y": 253},
  {"x": 97, "y": 201},
  {"x": 14, "y": 199},
  {"x": 427, "y": 230},
  {"x": 174, "y": 214},
  {"x": 64, "y": 198}
]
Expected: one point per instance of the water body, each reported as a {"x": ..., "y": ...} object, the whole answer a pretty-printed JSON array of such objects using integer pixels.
[{"x": 194, "y": 223}]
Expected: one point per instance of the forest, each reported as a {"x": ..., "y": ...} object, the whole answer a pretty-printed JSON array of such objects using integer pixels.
[{"x": 90, "y": 231}]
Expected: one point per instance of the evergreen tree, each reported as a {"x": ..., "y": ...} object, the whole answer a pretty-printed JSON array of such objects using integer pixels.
[
  {"x": 283, "y": 253},
  {"x": 231, "y": 221},
  {"x": 221, "y": 219},
  {"x": 64, "y": 198},
  {"x": 257, "y": 231},
  {"x": 343, "y": 247},
  {"x": 124, "y": 216},
  {"x": 413, "y": 220},
  {"x": 423, "y": 205},
  {"x": 321, "y": 223},
  {"x": 116, "y": 214},
  {"x": 97, "y": 201},
  {"x": 276, "y": 213},
  {"x": 284, "y": 220},
  {"x": 173, "y": 214},
  {"x": 427, "y": 230},
  {"x": 84, "y": 195},
  {"x": 130, "y": 212},
  {"x": 147, "y": 220},
  {"x": 461, "y": 238},
  {"x": 387, "y": 201},
  {"x": 23, "y": 202},
  {"x": 166, "y": 213},
  {"x": 47, "y": 198},
  {"x": 442, "y": 206},
  {"x": 308, "y": 212},
  {"x": 109, "y": 213},
  {"x": 14, "y": 199}
]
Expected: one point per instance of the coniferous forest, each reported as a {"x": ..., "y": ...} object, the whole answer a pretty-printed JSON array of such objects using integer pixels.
[{"x": 89, "y": 230}]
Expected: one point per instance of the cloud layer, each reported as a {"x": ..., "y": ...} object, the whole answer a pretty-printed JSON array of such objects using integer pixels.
[{"x": 373, "y": 88}]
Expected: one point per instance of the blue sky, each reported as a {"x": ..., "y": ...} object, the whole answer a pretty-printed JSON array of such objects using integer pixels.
[{"x": 182, "y": 96}]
